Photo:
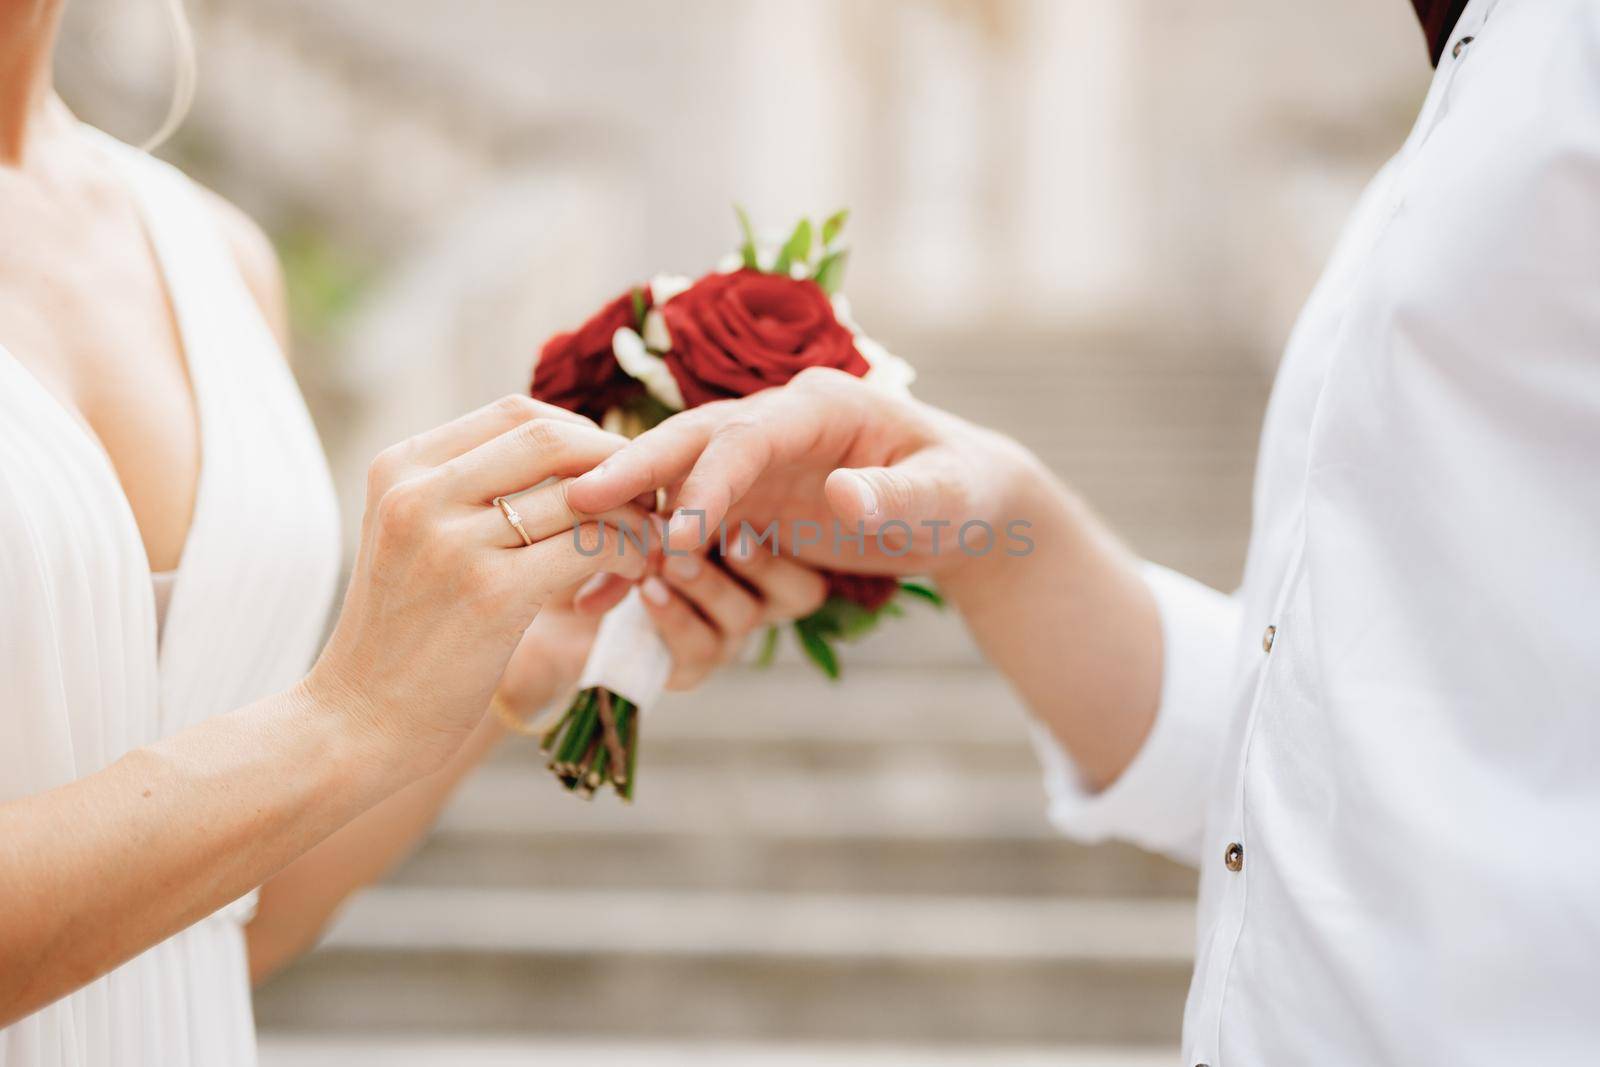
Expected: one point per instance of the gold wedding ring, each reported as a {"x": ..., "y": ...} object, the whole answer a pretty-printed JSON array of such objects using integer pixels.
[{"x": 514, "y": 517}]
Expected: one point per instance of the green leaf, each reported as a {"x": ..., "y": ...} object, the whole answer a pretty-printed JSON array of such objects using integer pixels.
[
  {"x": 854, "y": 620},
  {"x": 638, "y": 308},
  {"x": 650, "y": 411},
  {"x": 924, "y": 592},
  {"x": 830, "y": 272},
  {"x": 797, "y": 249},
  {"x": 818, "y": 650},
  {"x": 747, "y": 251},
  {"x": 834, "y": 224},
  {"x": 769, "y": 647}
]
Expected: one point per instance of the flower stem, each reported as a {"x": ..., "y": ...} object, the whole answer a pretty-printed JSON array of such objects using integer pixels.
[{"x": 608, "y": 730}]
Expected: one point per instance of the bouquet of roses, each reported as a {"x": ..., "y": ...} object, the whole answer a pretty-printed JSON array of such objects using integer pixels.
[{"x": 770, "y": 312}]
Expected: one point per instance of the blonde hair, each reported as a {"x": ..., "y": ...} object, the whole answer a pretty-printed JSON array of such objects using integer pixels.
[{"x": 184, "y": 77}]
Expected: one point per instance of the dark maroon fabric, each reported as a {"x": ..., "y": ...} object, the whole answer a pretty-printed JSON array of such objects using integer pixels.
[{"x": 1438, "y": 19}]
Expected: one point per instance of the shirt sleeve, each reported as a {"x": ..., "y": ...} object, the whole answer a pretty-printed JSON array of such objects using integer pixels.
[{"x": 1159, "y": 801}]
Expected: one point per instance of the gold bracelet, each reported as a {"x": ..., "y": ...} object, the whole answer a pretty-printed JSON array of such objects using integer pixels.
[{"x": 512, "y": 721}]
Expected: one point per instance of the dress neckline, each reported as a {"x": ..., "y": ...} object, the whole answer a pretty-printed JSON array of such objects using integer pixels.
[{"x": 80, "y": 427}]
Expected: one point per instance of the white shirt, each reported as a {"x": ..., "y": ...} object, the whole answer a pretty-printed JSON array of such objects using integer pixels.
[{"x": 1395, "y": 723}]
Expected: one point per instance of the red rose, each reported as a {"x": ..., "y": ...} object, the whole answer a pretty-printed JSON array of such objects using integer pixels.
[
  {"x": 871, "y": 591},
  {"x": 578, "y": 371},
  {"x": 736, "y": 334}
]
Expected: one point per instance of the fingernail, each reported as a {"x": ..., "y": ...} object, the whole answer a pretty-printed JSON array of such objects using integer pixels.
[
  {"x": 681, "y": 521},
  {"x": 655, "y": 591},
  {"x": 592, "y": 586},
  {"x": 741, "y": 550},
  {"x": 598, "y": 474},
  {"x": 864, "y": 493},
  {"x": 683, "y": 568}
]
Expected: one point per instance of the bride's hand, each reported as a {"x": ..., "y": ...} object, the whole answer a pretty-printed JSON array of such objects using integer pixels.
[
  {"x": 704, "y": 609},
  {"x": 443, "y": 587}
]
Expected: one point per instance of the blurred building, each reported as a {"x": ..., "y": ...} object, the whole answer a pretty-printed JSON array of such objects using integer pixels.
[{"x": 1089, "y": 222}]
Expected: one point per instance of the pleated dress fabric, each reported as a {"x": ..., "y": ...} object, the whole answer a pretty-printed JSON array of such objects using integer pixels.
[{"x": 86, "y": 678}]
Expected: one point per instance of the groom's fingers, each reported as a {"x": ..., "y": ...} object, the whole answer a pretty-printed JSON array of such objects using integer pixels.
[
  {"x": 719, "y": 451},
  {"x": 777, "y": 427},
  {"x": 730, "y": 607},
  {"x": 695, "y": 646},
  {"x": 789, "y": 590},
  {"x": 659, "y": 457}
]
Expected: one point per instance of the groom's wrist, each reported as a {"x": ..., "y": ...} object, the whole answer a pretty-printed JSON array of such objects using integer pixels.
[{"x": 1029, "y": 512}]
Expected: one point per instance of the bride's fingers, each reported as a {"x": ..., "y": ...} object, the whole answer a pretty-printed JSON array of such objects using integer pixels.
[
  {"x": 539, "y": 571},
  {"x": 524, "y": 456},
  {"x": 696, "y": 647},
  {"x": 731, "y": 608},
  {"x": 600, "y": 594},
  {"x": 444, "y": 443},
  {"x": 545, "y": 512},
  {"x": 789, "y": 590}
]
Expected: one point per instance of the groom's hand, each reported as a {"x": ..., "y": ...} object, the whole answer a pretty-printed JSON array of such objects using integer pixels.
[
  {"x": 1074, "y": 627},
  {"x": 827, "y": 447}
]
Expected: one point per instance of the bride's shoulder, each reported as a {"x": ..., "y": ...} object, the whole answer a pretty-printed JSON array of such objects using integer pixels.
[{"x": 257, "y": 260}]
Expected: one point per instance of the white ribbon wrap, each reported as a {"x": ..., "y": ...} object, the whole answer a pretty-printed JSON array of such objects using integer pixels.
[{"x": 628, "y": 657}]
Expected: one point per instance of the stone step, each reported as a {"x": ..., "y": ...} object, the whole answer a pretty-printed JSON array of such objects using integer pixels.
[
  {"x": 774, "y": 925},
  {"x": 776, "y": 779},
  {"x": 324, "y": 1050},
  {"x": 905, "y": 803},
  {"x": 890, "y": 828},
  {"x": 882, "y": 705},
  {"x": 934, "y": 867},
  {"x": 744, "y": 966}
]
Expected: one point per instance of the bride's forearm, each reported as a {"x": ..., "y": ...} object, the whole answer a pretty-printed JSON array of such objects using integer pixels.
[
  {"x": 98, "y": 870},
  {"x": 299, "y": 901},
  {"x": 1071, "y": 624}
]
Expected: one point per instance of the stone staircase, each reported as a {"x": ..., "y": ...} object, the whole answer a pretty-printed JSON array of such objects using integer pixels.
[
  {"x": 814, "y": 873},
  {"x": 806, "y": 863}
]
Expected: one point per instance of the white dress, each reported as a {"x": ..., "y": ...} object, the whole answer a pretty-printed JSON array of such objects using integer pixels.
[{"x": 85, "y": 680}]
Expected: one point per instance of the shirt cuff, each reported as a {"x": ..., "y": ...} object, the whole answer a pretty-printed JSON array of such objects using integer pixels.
[{"x": 1159, "y": 800}]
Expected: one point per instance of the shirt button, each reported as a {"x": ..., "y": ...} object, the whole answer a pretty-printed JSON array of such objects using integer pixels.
[
  {"x": 1461, "y": 46},
  {"x": 1233, "y": 856},
  {"x": 1268, "y": 637}
]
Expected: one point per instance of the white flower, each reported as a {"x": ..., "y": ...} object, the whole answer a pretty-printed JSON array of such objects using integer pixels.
[
  {"x": 637, "y": 362},
  {"x": 885, "y": 370},
  {"x": 768, "y": 246},
  {"x": 841, "y": 311},
  {"x": 664, "y": 287},
  {"x": 656, "y": 336}
]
